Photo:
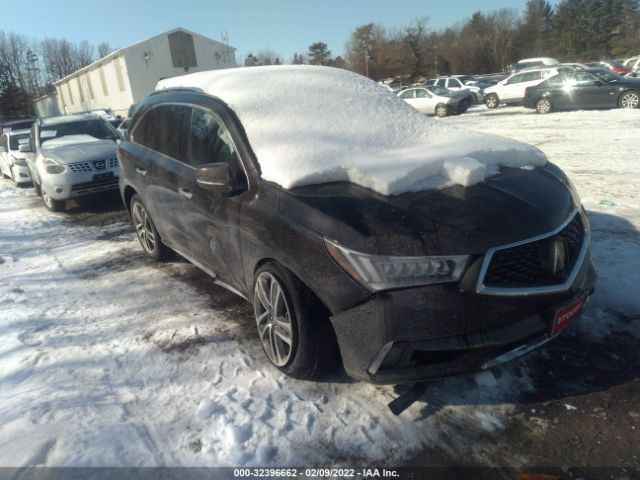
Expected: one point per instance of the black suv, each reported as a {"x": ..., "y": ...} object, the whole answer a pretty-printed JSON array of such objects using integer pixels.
[{"x": 397, "y": 288}]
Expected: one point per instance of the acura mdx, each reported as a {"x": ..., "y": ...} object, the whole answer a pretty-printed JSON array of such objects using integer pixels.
[{"x": 361, "y": 231}]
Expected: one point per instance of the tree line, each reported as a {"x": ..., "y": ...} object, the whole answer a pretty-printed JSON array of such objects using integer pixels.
[
  {"x": 573, "y": 30},
  {"x": 28, "y": 68}
]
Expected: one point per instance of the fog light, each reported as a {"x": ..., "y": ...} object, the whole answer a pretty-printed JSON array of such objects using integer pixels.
[{"x": 58, "y": 190}]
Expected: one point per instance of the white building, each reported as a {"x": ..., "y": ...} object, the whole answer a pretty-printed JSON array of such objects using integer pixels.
[{"x": 127, "y": 75}]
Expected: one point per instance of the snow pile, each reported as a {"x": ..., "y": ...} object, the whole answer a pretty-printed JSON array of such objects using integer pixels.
[{"x": 311, "y": 125}]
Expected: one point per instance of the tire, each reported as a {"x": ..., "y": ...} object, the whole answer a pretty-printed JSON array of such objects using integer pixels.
[
  {"x": 543, "y": 105},
  {"x": 492, "y": 101},
  {"x": 441, "y": 110},
  {"x": 293, "y": 325},
  {"x": 630, "y": 100},
  {"x": 37, "y": 188},
  {"x": 53, "y": 205},
  {"x": 146, "y": 231}
]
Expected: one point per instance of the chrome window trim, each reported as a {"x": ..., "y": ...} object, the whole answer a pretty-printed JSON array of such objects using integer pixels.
[{"x": 481, "y": 288}]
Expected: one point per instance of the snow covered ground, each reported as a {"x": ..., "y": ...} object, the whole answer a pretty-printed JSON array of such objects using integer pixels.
[{"x": 109, "y": 359}]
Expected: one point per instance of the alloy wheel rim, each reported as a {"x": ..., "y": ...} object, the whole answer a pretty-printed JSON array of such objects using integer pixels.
[
  {"x": 630, "y": 100},
  {"x": 273, "y": 319},
  {"x": 491, "y": 101},
  {"x": 142, "y": 224},
  {"x": 47, "y": 200},
  {"x": 544, "y": 106},
  {"x": 441, "y": 111}
]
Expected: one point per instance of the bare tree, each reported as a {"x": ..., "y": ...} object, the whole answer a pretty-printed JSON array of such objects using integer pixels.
[{"x": 104, "y": 49}]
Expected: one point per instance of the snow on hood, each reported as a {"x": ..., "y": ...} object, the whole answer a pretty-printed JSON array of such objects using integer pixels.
[
  {"x": 77, "y": 148},
  {"x": 309, "y": 125}
]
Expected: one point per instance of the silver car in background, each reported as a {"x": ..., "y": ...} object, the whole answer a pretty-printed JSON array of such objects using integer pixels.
[
  {"x": 72, "y": 156},
  {"x": 13, "y": 163},
  {"x": 430, "y": 103}
]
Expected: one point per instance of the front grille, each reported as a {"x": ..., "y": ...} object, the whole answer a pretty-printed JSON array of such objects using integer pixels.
[
  {"x": 80, "y": 167},
  {"x": 531, "y": 264},
  {"x": 89, "y": 167},
  {"x": 95, "y": 186}
]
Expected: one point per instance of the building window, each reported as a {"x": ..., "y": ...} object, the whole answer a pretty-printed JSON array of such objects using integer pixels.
[
  {"x": 79, "y": 83},
  {"x": 103, "y": 81},
  {"x": 90, "y": 87},
  {"x": 69, "y": 94},
  {"x": 183, "y": 51},
  {"x": 117, "y": 64}
]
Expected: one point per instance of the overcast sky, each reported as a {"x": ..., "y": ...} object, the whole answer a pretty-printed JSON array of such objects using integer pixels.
[{"x": 284, "y": 26}]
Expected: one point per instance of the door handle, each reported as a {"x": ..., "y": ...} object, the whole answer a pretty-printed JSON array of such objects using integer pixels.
[
  {"x": 185, "y": 193},
  {"x": 141, "y": 171}
]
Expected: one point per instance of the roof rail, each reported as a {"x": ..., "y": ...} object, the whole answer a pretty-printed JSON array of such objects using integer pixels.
[{"x": 177, "y": 90}]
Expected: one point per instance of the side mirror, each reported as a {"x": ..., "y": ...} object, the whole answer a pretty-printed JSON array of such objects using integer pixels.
[
  {"x": 502, "y": 82},
  {"x": 598, "y": 83},
  {"x": 25, "y": 148},
  {"x": 215, "y": 177}
]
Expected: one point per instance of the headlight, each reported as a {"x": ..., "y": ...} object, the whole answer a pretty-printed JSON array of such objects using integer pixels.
[
  {"x": 19, "y": 161},
  {"x": 51, "y": 166},
  {"x": 382, "y": 272}
]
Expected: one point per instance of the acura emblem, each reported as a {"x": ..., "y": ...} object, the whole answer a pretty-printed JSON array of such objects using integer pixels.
[
  {"x": 558, "y": 256},
  {"x": 99, "y": 165}
]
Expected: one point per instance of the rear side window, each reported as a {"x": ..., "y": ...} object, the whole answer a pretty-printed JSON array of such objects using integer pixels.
[
  {"x": 441, "y": 82},
  {"x": 161, "y": 129},
  {"x": 407, "y": 94},
  {"x": 515, "y": 79},
  {"x": 422, "y": 93}
]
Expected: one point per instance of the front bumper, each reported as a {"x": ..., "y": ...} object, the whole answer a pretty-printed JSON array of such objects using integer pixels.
[
  {"x": 76, "y": 184},
  {"x": 437, "y": 331}
]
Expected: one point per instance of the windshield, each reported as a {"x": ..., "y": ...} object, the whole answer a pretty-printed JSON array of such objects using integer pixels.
[
  {"x": 97, "y": 128},
  {"x": 607, "y": 76},
  {"x": 438, "y": 90},
  {"x": 466, "y": 78},
  {"x": 16, "y": 140}
]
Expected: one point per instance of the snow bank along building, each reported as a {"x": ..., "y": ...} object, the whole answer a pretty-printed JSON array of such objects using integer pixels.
[{"x": 127, "y": 75}]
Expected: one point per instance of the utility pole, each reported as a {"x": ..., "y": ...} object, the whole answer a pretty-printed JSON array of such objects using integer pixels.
[
  {"x": 436, "y": 65},
  {"x": 366, "y": 64}
]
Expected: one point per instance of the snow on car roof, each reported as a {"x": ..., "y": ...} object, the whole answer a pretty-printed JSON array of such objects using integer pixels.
[{"x": 310, "y": 124}]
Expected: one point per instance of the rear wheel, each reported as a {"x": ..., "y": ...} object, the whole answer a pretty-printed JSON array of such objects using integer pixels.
[
  {"x": 146, "y": 231},
  {"x": 293, "y": 325},
  {"x": 53, "y": 205},
  {"x": 492, "y": 101},
  {"x": 629, "y": 100},
  {"x": 441, "y": 110},
  {"x": 543, "y": 105}
]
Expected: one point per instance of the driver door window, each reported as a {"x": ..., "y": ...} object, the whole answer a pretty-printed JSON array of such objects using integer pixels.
[{"x": 211, "y": 143}]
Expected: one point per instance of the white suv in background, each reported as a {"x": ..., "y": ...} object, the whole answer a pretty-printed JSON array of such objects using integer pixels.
[
  {"x": 510, "y": 91},
  {"x": 72, "y": 156},
  {"x": 456, "y": 83}
]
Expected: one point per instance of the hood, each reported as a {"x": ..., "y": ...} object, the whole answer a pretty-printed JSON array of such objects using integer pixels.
[
  {"x": 505, "y": 208},
  {"x": 78, "y": 148}
]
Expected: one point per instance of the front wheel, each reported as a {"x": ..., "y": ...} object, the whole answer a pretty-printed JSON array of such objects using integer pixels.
[
  {"x": 543, "y": 105},
  {"x": 146, "y": 231},
  {"x": 492, "y": 101},
  {"x": 293, "y": 326},
  {"x": 629, "y": 100},
  {"x": 52, "y": 204},
  {"x": 441, "y": 110}
]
